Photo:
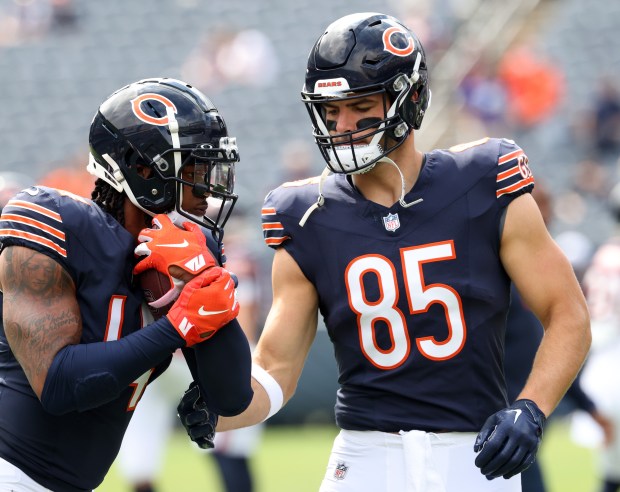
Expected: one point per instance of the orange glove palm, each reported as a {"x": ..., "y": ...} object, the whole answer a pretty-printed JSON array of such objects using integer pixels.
[{"x": 205, "y": 304}]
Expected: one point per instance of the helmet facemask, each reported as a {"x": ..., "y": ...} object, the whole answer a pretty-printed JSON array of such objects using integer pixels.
[
  {"x": 213, "y": 178},
  {"x": 343, "y": 152}
]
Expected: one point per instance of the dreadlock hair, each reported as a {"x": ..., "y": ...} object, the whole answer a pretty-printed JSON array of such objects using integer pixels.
[{"x": 109, "y": 200}]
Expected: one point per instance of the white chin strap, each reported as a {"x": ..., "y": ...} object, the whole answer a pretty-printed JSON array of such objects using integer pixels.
[
  {"x": 326, "y": 172},
  {"x": 403, "y": 190}
]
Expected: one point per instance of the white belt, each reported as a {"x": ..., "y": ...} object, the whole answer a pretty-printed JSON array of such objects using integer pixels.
[{"x": 421, "y": 473}]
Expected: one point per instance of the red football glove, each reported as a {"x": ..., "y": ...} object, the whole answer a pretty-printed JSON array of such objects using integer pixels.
[
  {"x": 206, "y": 303},
  {"x": 167, "y": 245}
]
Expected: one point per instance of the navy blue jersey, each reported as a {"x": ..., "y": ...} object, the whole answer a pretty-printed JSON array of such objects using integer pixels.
[
  {"x": 72, "y": 452},
  {"x": 414, "y": 299}
]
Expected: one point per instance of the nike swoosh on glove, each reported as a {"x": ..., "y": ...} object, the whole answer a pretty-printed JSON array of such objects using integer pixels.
[
  {"x": 206, "y": 304},
  {"x": 198, "y": 420},
  {"x": 166, "y": 245},
  {"x": 509, "y": 440}
]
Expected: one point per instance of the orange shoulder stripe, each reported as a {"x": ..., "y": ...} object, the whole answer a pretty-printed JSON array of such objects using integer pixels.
[{"x": 35, "y": 239}]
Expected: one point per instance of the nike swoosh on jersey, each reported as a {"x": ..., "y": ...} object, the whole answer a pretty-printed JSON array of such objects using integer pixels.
[
  {"x": 202, "y": 312},
  {"x": 184, "y": 244}
]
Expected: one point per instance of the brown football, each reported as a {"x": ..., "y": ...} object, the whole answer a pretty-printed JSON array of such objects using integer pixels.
[{"x": 154, "y": 285}]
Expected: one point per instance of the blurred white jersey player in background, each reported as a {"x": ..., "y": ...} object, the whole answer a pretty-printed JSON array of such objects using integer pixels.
[{"x": 602, "y": 288}]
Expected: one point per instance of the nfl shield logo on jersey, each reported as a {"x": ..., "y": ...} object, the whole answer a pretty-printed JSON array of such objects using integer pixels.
[
  {"x": 340, "y": 471},
  {"x": 391, "y": 222}
]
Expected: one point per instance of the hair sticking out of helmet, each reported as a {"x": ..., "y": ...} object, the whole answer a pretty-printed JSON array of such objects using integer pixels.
[
  {"x": 146, "y": 137},
  {"x": 362, "y": 55}
]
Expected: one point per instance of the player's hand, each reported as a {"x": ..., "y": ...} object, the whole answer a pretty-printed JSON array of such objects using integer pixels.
[
  {"x": 206, "y": 303},
  {"x": 165, "y": 245},
  {"x": 198, "y": 421},
  {"x": 509, "y": 439}
]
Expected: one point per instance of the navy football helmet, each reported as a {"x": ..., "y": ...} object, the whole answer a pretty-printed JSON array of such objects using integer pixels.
[
  {"x": 145, "y": 134},
  {"x": 360, "y": 55}
]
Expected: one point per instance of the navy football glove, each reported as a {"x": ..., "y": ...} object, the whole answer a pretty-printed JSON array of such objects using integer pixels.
[
  {"x": 509, "y": 440},
  {"x": 198, "y": 421}
]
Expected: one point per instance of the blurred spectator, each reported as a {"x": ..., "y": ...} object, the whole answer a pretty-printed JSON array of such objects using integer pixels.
[
  {"x": 228, "y": 56},
  {"x": 63, "y": 15},
  {"x": 72, "y": 177},
  {"x": 24, "y": 20},
  {"x": 298, "y": 161},
  {"x": 578, "y": 248},
  {"x": 485, "y": 96},
  {"x": 535, "y": 86},
  {"x": 30, "y": 20},
  {"x": 605, "y": 124},
  {"x": 590, "y": 177},
  {"x": 10, "y": 183}
]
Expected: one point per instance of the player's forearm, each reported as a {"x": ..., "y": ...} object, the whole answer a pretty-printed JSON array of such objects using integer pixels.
[
  {"x": 559, "y": 358},
  {"x": 88, "y": 375},
  {"x": 223, "y": 365},
  {"x": 256, "y": 412}
]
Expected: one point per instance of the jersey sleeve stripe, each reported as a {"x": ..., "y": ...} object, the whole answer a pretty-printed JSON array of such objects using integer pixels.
[
  {"x": 508, "y": 157},
  {"x": 515, "y": 187},
  {"x": 35, "y": 239},
  {"x": 275, "y": 241},
  {"x": 508, "y": 173},
  {"x": 35, "y": 224},
  {"x": 268, "y": 211},
  {"x": 273, "y": 226},
  {"x": 35, "y": 208}
]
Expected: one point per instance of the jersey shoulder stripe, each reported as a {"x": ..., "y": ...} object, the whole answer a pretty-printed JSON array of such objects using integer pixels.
[
  {"x": 34, "y": 223},
  {"x": 514, "y": 175},
  {"x": 273, "y": 229}
]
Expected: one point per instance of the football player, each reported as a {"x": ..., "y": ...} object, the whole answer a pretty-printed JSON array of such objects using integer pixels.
[
  {"x": 602, "y": 288},
  {"x": 408, "y": 257},
  {"x": 79, "y": 345}
]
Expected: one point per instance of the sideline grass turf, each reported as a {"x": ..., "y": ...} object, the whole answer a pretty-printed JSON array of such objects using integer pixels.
[{"x": 294, "y": 458}]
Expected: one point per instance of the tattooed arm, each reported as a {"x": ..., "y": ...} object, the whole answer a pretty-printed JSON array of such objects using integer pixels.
[{"x": 40, "y": 310}]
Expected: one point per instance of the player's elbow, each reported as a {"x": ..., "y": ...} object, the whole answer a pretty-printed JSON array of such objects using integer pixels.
[
  {"x": 231, "y": 404},
  {"x": 586, "y": 330}
]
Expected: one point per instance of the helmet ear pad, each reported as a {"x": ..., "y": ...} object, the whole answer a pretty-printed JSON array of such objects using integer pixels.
[{"x": 414, "y": 105}]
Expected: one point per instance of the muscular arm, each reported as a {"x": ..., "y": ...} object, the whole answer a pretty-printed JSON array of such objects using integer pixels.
[
  {"x": 286, "y": 339},
  {"x": 40, "y": 310},
  {"x": 546, "y": 281},
  {"x": 43, "y": 326}
]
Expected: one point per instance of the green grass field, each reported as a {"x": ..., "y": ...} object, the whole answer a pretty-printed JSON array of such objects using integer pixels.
[{"x": 294, "y": 458}]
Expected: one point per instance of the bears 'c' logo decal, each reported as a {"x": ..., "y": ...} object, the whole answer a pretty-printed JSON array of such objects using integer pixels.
[
  {"x": 136, "y": 106},
  {"x": 389, "y": 46}
]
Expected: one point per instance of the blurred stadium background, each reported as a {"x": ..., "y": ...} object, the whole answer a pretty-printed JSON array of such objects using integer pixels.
[{"x": 543, "y": 72}]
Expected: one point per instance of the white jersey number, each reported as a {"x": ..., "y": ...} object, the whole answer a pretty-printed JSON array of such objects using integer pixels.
[
  {"x": 113, "y": 332},
  {"x": 420, "y": 297}
]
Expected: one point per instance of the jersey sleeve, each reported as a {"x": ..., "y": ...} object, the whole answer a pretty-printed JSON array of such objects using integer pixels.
[
  {"x": 514, "y": 176},
  {"x": 275, "y": 233},
  {"x": 33, "y": 219}
]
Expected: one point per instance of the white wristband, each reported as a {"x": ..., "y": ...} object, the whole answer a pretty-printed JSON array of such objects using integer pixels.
[{"x": 271, "y": 387}]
